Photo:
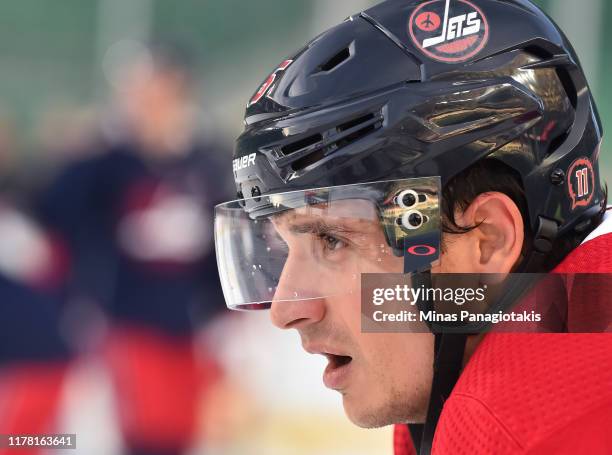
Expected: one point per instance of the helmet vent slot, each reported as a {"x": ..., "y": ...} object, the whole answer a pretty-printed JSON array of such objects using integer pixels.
[
  {"x": 368, "y": 126},
  {"x": 301, "y": 144},
  {"x": 296, "y": 156},
  {"x": 556, "y": 143},
  {"x": 355, "y": 122},
  {"x": 336, "y": 60},
  {"x": 341, "y": 136},
  {"x": 568, "y": 85},
  {"x": 308, "y": 160}
]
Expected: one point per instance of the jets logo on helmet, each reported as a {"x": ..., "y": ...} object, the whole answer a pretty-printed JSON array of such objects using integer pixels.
[{"x": 449, "y": 31}]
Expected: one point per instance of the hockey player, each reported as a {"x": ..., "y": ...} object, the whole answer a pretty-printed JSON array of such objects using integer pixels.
[
  {"x": 134, "y": 215},
  {"x": 436, "y": 137}
]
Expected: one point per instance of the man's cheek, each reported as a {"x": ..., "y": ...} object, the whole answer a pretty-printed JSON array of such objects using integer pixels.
[
  {"x": 375, "y": 355},
  {"x": 349, "y": 311}
]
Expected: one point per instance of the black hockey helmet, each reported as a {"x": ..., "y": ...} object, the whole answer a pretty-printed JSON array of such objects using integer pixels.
[{"x": 375, "y": 98}]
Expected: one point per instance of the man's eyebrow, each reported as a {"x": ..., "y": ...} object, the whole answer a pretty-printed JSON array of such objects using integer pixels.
[{"x": 318, "y": 227}]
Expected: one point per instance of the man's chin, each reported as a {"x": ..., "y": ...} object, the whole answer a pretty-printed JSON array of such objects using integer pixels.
[
  {"x": 365, "y": 416},
  {"x": 369, "y": 415}
]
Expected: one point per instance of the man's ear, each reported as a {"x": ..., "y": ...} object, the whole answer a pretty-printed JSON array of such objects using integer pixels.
[{"x": 499, "y": 234}]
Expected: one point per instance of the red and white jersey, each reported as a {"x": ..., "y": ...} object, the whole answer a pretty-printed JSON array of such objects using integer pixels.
[
  {"x": 536, "y": 393},
  {"x": 595, "y": 253}
]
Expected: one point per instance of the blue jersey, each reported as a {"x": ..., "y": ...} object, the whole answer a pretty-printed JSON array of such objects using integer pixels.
[{"x": 140, "y": 233}]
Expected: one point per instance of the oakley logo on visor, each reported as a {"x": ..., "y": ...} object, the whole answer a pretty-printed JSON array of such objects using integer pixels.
[{"x": 422, "y": 250}]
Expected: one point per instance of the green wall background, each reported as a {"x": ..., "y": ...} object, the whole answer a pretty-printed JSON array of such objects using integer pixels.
[{"x": 51, "y": 52}]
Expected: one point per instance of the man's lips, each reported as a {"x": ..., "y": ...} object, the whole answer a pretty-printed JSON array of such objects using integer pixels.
[
  {"x": 339, "y": 364},
  {"x": 336, "y": 374}
]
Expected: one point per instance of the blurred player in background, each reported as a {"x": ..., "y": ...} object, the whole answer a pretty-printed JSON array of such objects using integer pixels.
[
  {"x": 34, "y": 356},
  {"x": 137, "y": 216}
]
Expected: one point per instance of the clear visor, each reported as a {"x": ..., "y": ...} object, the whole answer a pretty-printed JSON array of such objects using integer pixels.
[{"x": 316, "y": 244}]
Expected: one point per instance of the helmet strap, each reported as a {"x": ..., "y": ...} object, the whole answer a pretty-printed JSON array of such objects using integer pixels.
[
  {"x": 448, "y": 363},
  {"x": 543, "y": 242},
  {"x": 449, "y": 349}
]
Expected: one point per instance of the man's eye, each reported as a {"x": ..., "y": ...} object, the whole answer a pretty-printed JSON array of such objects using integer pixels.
[{"x": 332, "y": 243}]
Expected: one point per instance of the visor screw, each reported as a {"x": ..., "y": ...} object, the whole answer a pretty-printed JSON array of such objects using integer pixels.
[
  {"x": 256, "y": 192},
  {"x": 557, "y": 177}
]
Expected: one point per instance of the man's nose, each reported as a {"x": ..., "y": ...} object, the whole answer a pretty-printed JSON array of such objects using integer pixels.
[{"x": 297, "y": 301}]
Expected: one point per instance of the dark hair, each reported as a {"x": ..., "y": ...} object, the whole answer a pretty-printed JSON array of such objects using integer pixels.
[{"x": 491, "y": 175}]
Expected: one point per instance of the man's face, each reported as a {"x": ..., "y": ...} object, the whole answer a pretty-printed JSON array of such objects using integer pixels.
[{"x": 383, "y": 378}]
